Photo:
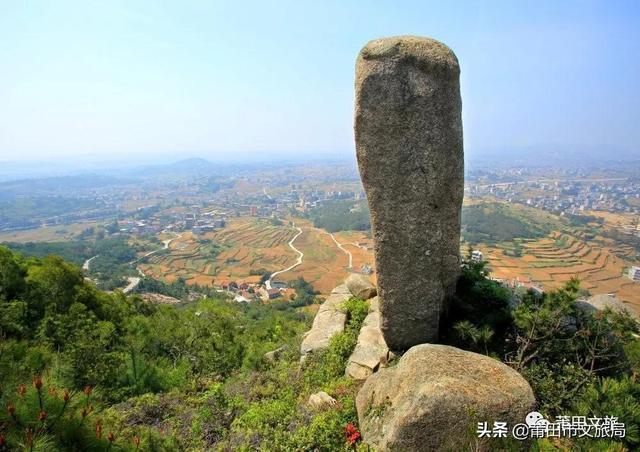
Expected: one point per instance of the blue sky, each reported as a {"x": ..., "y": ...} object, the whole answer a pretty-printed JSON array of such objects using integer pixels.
[{"x": 275, "y": 78}]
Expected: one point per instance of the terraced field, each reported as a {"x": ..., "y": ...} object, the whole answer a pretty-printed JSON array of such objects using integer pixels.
[
  {"x": 247, "y": 244},
  {"x": 599, "y": 263}
]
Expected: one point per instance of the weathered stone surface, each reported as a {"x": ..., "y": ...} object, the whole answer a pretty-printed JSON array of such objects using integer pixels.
[
  {"x": 329, "y": 320},
  {"x": 408, "y": 132},
  {"x": 371, "y": 351},
  {"x": 321, "y": 400},
  {"x": 603, "y": 302},
  {"x": 435, "y": 395},
  {"x": 360, "y": 286},
  {"x": 342, "y": 289}
]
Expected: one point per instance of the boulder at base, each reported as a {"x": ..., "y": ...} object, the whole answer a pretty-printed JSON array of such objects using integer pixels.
[{"x": 434, "y": 397}]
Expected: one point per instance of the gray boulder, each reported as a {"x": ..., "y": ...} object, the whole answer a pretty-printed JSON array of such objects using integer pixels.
[
  {"x": 435, "y": 395},
  {"x": 360, "y": 286},
  {"x": 408, "y": 132}
]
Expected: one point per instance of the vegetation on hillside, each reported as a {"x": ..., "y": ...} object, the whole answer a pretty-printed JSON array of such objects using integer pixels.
[
  {"x": 337, "y": 216},
  {"x": 112, "y": 255},
  {"x": 579, "y": 361},
  {"x": 81, "y": 369},
  {"x": 500, "y": 222}
]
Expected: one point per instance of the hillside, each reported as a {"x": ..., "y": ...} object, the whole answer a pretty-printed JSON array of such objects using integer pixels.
[
  {"x": 80, "y": 368},
  {"x": 497, "y": 222}
]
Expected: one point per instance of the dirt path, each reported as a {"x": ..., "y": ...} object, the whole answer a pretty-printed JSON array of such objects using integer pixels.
[
  {"x": 85, "y": 265},
  {"x": 135, "y": 280},
  {"x": 344, "y": 250},
  {"x": 291, "y": 267}
]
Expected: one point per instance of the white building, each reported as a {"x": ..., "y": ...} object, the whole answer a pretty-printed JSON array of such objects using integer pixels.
[
  {"x": 634, "y": 273},
  {"x": 476, "y": 256}
]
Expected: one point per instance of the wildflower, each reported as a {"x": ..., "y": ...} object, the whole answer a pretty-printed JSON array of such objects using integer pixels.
[
  {"x": 111, "y": 437},
  {"x": 3, "y": 441},
  {"x": 352, "y": 433},
  {"x": 136, "y": 441},
  {"x": 29, "y": 438},
  {"x": 66, "y": 396},
  {"x": 11, "y": 409},
  {"x": 87, "y": 390},
  {"x": 53, "y": 392},
  {"x": 22, "y": 390},
  {"x": 98, "y": 430},
  {"x": 37, "y": 382},
  {"x": 42, "y": 416}
]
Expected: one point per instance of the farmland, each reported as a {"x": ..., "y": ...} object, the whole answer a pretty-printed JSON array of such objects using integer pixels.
[
  {"x": 549, "y": 262},
  {"x": 248, "y": 246}
]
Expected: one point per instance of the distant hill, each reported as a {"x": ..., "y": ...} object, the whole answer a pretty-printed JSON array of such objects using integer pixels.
[{"x": 499, "y": 222}]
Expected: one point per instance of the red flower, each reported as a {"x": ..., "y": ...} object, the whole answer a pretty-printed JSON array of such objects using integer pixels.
[
  {"x": 352, "y": 433},
  {"x": 87, "y": 390},
  {"x": 111, "y": 437},
  {"x": 2, "y": 440},
  {"x": 42, "y": 416},
  {"x": 136, "y": 441},
  {"x": 66, "y": 396},
  {"x": 98, "y": 430},
  {"x": 11, "y": 409},
  {"x": 37, "y": 382},
  {"x": 22, "y": 390}
]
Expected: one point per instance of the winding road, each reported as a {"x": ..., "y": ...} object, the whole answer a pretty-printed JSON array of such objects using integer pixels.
[
  {"x": 135, "y": 280},
  {"x": 85, "y": 265},
  {"x": 343, "y": 249},
  {"x": 291, "y": 267}
]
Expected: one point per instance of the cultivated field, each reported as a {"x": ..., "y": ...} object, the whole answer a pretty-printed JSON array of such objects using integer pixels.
[
  {"x": 249, "y": 245},
  {"x": 599, "y": 263},
  {"x": 59, "y": 233}
]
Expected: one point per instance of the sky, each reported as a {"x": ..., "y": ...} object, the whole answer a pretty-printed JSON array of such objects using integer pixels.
[{"x": 270, "y": 79}]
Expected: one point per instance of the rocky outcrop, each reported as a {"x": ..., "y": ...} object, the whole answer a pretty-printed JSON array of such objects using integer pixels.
[
  {"x": 360, "y": 286},
  {"x": 604, "y": 302},
  {"x": 408, "y": 134},
  {"x": 329, "y": 320},
  {"x": 433, "y": 397},
  {"x": 371, "y": 351}
]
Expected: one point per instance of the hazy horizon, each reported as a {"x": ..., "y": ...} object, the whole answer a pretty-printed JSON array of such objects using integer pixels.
[{"x": 112, "y": 81}]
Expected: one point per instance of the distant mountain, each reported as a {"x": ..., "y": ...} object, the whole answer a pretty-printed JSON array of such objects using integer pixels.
[{"x": 20, "y": 187}]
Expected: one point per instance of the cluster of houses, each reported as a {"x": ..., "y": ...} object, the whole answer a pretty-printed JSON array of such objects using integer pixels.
[
  {"x": 245, "y": 292},
  {"x": 566, "y": 197}
]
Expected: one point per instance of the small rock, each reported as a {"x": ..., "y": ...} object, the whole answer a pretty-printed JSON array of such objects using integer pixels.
[
  {"x": 435, "y": 395},
  {"x": 321, "y": 400},
  {"x": 360, "y": 286},
  {"x": 275, "y": 355}
]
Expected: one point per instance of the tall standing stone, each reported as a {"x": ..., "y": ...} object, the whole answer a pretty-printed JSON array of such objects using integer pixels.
[{"x": 408, "y": 132}]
